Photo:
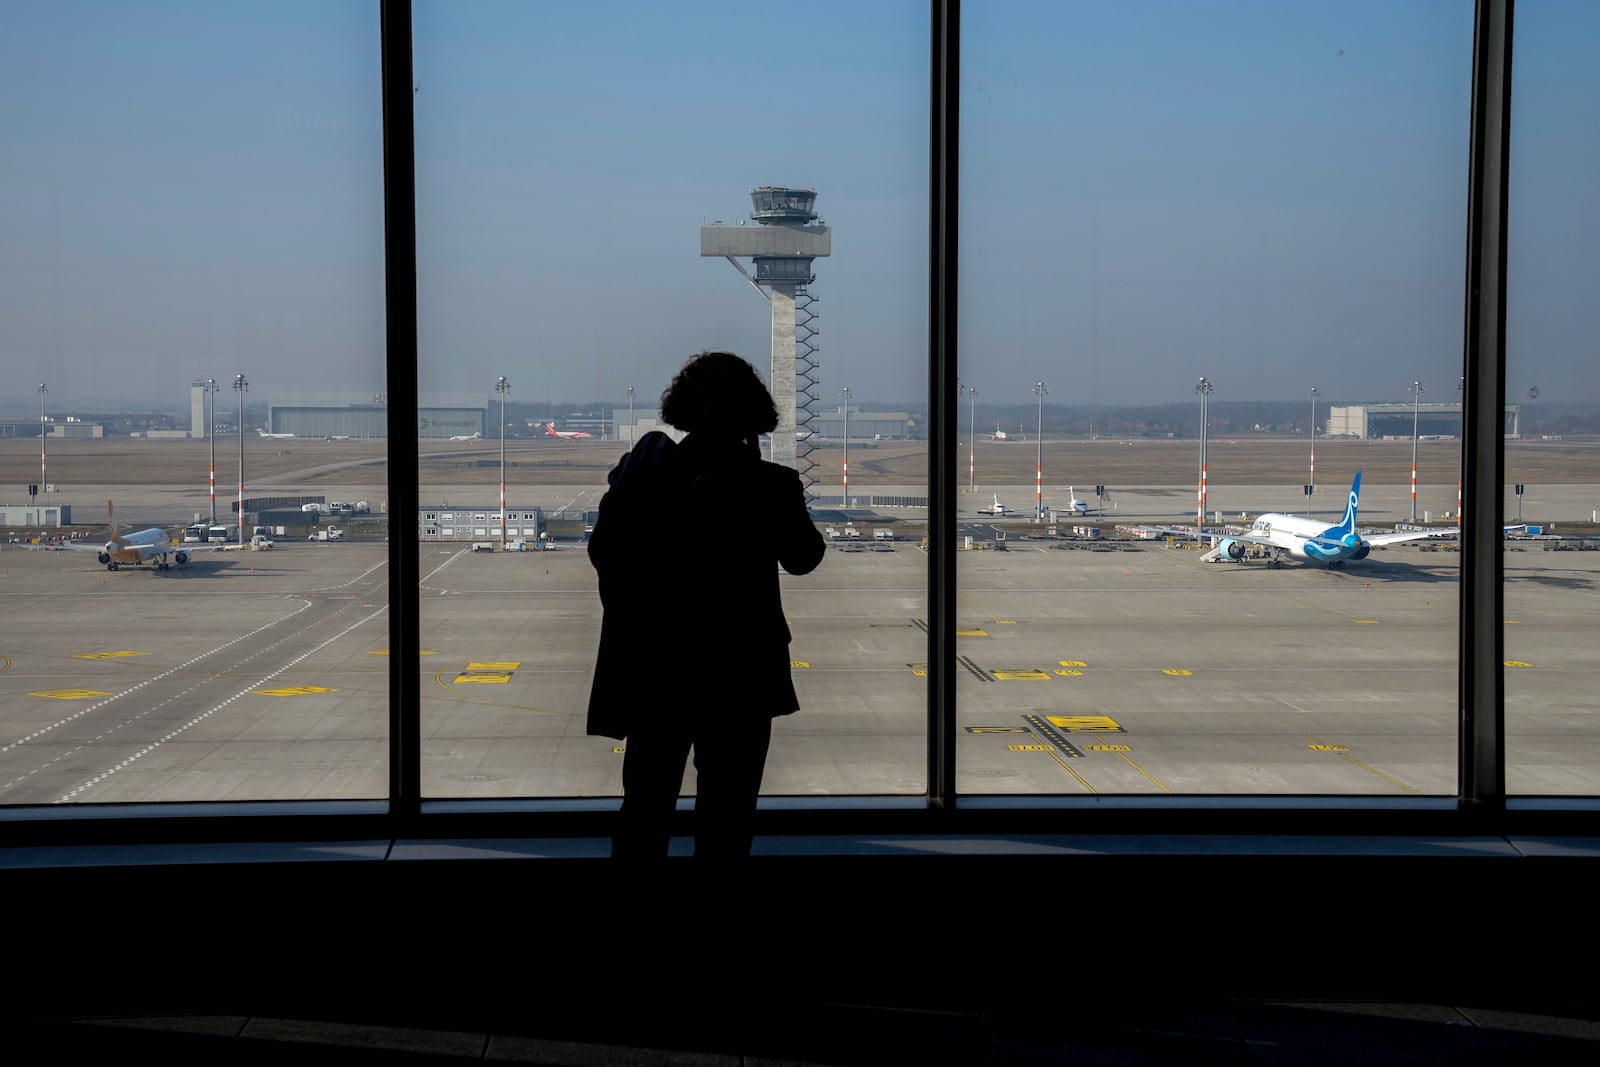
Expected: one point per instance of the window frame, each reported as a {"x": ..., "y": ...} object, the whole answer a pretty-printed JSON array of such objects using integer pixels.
[{"x": 1480, "y": 806}]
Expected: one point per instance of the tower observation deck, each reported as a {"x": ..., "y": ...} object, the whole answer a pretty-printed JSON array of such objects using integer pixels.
[{"x": 786, "y": 238}]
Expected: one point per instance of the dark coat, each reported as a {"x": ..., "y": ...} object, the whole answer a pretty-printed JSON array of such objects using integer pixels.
[{"x": 688, "y": 544}]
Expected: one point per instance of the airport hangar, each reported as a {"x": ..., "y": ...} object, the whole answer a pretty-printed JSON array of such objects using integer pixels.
[
  {"x": 438, "y": 417},
  {"x": 1401, "y": 419}
]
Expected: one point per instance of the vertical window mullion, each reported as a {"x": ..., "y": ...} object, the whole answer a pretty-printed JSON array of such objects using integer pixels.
[
  {"x": 1482, "y": 736},
  {"x": 944, "y": 164},
  {"x": 400, "y": 267}
]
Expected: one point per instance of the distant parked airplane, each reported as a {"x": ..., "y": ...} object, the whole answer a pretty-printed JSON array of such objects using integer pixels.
[
  {"x": 1001, "y": 435},
  {"x": 134, "y": 549},
  {"x": 576, "y": 435},
  {"x": 275, "y": 436},
  {"x": 468, "y": 437},
  {"x": 997, "y": 509}
]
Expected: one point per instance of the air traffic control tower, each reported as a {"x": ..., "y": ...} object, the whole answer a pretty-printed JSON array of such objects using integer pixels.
[{"x": 785, "y": 240}]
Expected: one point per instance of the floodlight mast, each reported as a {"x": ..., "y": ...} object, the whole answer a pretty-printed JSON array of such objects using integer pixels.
[
  {"x": 1416, "y": 410},
  {"x": 1203, "y": 387},
  {"x": 502, "y": 387},
  {"x": 1311, "y": 483},
  {"x": 1038, "y": 472},
  {"x": 211, "y": 432},
  {"x": 787, "y": 237},
  {"x": 44, "y": 482},
  {"x": 243, "y": 386}
]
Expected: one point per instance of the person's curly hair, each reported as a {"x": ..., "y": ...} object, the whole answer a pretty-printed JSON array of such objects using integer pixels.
[{"x": 719, "y": 393}]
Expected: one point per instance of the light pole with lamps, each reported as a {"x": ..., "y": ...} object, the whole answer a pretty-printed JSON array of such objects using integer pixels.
[
  {"x": 1038, "y": 463},
  {"x": 240, "y": 383},
  {"x": 1203, "y": 387},
  {"x": 844, "y": 394},
  {"x": 1461, "y": 387},
  {"x": 630, "y": 418},
  {"x": 211, "y": 432},
  {"x": 1416, "y": 408},
  {"x": 44, "y": 482},
  {"x": 972, "y": 445},
  {"x": 502, "y": 387},
  {"x": 1311, "y": 485}
]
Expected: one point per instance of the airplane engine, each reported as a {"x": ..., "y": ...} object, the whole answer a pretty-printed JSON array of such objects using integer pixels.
[
  {"x": 181, "y": 557},
  {"x": 1362, "y": 552},
  {"x": 1234, "y": 549},
  {"x": 104, "y": 557}
]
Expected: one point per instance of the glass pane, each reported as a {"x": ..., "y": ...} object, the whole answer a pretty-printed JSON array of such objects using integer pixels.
[
  {"x": 1553, "y": 263},
  {"x": 1190, "y": 235},
  {"x": 191, "y": 278},
  {"x": 584, "y": 172}
]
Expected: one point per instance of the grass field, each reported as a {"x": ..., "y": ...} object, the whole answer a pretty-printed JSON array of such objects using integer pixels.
[{"x": 1248, "y": 460}]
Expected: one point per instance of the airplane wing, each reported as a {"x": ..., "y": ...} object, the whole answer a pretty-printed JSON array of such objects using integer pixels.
[{"x": 1377, "y": 540}]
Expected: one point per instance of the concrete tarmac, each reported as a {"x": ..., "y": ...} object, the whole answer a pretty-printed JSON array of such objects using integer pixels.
[{"x": 1081, "y": 672}]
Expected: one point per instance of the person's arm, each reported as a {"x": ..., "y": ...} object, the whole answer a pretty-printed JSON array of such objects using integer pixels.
[{"x": 800, "y": 543}]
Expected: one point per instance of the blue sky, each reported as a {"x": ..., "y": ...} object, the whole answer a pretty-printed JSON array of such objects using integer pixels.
[{"x": 1268, "y": 194}]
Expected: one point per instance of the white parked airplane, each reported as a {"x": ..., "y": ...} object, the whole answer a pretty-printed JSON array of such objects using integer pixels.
[
  {"x": 1001, "y": 435},
  {"x": 997, "y": 508},
  {"x": 468, "y": 437},
  {"x": 575, "y": 435},
  {"x": 135, "y": 549},
  {"x": 1303, "y": 538},
  {"x": 275, "y": 436}
]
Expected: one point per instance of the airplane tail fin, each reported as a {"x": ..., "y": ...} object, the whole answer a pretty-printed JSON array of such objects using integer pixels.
[
  {"x": 1348, "y": 525},
  {"x": 111, "y": 524}
]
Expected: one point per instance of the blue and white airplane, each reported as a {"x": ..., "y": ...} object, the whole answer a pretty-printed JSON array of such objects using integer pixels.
[{"x": 1308, "y": 539}]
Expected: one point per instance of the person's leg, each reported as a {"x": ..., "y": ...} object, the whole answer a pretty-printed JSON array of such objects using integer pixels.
[
  {"x": 729, "y": 758},
  {"x": 652, "y": 776}
]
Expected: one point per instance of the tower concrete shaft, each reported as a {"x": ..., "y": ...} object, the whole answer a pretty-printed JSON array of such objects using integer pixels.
[
  {"x": 786, "y": 238},
  {"x": 782, "y": 383}
]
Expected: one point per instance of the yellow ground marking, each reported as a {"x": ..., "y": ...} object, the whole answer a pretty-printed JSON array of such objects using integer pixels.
[
  {"x": 5, "y": 664},
  {"x": 798, "y": 663},
  {"x": 1072, "y": 663},
  {"x": 919, "y": 670},
  {"x": 385, "y": 652},
  {"x": 1031, "y": 748},
  {"x": 481, "y": 679},
  {"x": 1085, "y": 724},
  {"x": 1068, "y": 768},
  {"x": 1513, "y": 622},
  {"x": 972, "y": 633},
  {"x": 997, "y": 730},
  {"x": 1021, "y": 674},
  {"x": 1109, "y": 748},
  {"x": 499, "y": 665},
  {"x": 1068, "y": 673},
  {"x": 294, "y": 691},
  {"x": 1517, "y": 663},
  {"x": 1176, "y": 672},
  {"x": 1342, "y": 751},
  {"x": 70, "y": 694},
  {"x": 106, "y": 655},
  {"x": 1152, "y": 779},
  {"x": 1367, "y": 622},
  {"x": 997, "y": 619}
]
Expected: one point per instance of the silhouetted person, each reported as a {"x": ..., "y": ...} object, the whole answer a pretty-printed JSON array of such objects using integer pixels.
[{"x": 694, "y": 646}]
